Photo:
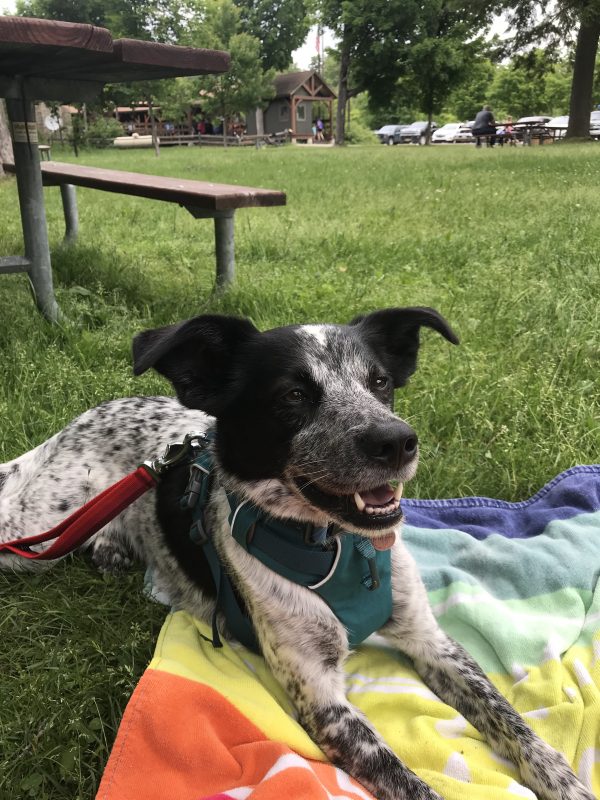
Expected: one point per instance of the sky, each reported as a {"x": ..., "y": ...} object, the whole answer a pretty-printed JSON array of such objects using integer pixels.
[{"x": 303, "y": 55}]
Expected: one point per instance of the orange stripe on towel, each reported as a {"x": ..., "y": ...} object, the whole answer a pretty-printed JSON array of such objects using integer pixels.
[{"x": 181, "y": 740}]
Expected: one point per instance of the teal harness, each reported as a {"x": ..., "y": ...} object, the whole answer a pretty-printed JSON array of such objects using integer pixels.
[{"x": 344, "y": 569}]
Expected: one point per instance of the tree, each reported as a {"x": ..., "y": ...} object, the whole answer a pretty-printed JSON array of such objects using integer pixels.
[
  {"x": 474, "y": 92},
  {"x": 371, "y": 33},
  {"x": 404, "y": 52},
  {"x": 281, "y": 26},
  {"x": 441, "y": 58},
  {"x": 535, "y": 21},
  {"x": 246, "y": 84}
]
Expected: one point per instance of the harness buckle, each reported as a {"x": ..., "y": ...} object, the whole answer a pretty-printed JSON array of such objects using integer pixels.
[{"x": 175, "y": 453}]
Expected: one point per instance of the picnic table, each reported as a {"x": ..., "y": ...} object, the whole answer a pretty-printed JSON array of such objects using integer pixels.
[{"x": 69, "y": 62}]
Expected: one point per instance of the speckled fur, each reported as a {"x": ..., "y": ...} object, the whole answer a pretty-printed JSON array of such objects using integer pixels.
[{"x": 301, "y": 640}]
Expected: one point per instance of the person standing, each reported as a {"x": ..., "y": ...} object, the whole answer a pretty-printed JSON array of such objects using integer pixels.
[
  {"x": 320, "y": 128},
  {"x": 485, "y": 125}
]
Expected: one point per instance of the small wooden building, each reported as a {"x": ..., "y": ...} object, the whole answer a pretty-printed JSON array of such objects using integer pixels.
[{"x": 300, "y": 99}]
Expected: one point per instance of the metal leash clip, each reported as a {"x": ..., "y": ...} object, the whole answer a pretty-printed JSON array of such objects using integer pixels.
[{"x": 175, "y": 453}]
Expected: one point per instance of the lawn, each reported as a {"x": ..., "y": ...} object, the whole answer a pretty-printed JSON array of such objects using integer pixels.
[{"x": 503, "y": 242}]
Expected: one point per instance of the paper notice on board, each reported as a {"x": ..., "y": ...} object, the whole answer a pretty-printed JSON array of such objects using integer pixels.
[{"x": 20, "y": 129}]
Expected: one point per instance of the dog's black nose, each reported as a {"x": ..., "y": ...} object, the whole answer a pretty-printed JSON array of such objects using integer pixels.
[{"x": 391, "y": 444}]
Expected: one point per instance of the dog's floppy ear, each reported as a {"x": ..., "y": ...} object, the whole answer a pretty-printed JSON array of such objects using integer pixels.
[
  {"x": 195, "y": 355},
  {"x": 393, "y": 334}
]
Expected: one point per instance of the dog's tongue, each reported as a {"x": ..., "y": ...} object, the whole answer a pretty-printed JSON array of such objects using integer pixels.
[
  {"x": 384, "y": 542},
  {"x": 379, "y": 496}
]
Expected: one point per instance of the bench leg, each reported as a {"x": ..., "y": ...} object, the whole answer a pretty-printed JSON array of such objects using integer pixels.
[
  {"x": 69, "y": 201},
  {"x": 31, "y": 201},
  {"x": 224, "y": 246}
]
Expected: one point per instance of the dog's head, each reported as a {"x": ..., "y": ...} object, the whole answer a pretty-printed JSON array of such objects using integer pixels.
[{"x": 304, "y": 419}]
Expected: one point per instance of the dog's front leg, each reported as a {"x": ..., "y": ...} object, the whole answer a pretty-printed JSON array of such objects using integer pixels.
[
  {"x": 305, "y": 647},
  {"x": 450, "y": 672}
]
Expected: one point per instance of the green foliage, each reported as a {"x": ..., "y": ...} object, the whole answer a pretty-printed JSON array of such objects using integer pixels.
[
  {"x": 174, "y": 97},
  {"x": 102, "y": 131},
  {"x": 466, "y": 99},
  {"x": 281, "y": 27},
  {"x": 245, "y": 85}
]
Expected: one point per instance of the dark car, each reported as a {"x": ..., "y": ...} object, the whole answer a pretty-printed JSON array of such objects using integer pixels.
[
  {"x": 390, "y": 134},
  {"x": 416, "y": 133}
]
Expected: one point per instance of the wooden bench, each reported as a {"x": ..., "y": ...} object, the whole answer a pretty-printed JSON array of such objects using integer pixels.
[{"x": 202, "y": 199}]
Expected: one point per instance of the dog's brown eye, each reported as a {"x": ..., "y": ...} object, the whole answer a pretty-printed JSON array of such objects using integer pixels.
[{"x": 295, "y": 396}]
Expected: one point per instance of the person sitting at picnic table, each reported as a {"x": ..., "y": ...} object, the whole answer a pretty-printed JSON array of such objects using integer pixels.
[
  {"x": 485, "y": 125},
  {"x": 509, "y": 131}
]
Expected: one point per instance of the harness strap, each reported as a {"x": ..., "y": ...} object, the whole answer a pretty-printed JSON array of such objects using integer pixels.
[
  {"x": 314, "y": 561},
  {"x": 294, "y": 550},
  {"x": 87, "y": 520}
]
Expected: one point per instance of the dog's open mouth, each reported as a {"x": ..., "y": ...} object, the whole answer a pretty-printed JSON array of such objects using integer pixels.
[{"x": 372, "y": 509}]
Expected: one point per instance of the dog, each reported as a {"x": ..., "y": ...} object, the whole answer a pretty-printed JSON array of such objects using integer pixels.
[{"x": 302, "y": 429}]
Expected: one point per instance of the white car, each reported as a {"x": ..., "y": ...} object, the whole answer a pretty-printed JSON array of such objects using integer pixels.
[
  {"x": 464, "y": 135},
  {"x": 446, "y": 133},
  {"x": 559, "y": 125}
]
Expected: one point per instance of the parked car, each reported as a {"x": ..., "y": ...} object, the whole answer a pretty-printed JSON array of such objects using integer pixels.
[
  {"x": 390, "y": 134},
  {"x": 464, "y": 134},
  {"x": 416, "y": 133},
  {"x": 558, "y": 125},
  {"x": 446, "y": 133}
]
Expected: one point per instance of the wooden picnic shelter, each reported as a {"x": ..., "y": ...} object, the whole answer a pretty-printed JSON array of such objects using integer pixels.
[{"x": 292, "y": 107}]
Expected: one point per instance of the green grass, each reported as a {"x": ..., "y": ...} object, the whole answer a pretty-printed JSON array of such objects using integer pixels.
[{"x": 503, "y": 242}]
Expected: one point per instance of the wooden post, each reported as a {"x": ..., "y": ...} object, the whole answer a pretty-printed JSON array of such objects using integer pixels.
[
  {"x": 155, "y": 144},
  {"x": 293, "y": 99}
]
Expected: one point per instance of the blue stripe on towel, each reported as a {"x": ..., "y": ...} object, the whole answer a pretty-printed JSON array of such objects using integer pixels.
[{"x": 574, "y": 492}]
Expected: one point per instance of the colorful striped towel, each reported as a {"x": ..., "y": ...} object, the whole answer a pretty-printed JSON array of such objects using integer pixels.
[{"x": 516, "y": 583}]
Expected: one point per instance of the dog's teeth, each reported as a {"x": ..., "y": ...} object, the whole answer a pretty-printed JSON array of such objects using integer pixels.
[
  {"x": 360, "y": 503},
  {"x": 398, "y": 491}
]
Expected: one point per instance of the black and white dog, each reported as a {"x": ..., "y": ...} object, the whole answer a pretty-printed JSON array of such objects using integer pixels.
[{"x": 304, "y": 432}]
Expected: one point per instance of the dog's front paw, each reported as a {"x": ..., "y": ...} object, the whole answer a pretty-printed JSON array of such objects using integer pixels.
[
  {"x": 403, "y": 786},
  {"x": 110, "y": 555},
  {"x": 551, "y": 777}
]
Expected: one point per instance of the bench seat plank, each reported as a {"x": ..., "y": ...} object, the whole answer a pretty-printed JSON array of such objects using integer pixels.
[{"x": 199, "y": 194}]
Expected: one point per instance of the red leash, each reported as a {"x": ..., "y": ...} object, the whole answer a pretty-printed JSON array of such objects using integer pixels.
[
  {"x": 72, "y": 532},
  {"x": 87, "y": 520}
]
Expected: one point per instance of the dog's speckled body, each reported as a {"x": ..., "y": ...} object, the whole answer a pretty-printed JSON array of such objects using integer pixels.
[{"x": 303, "y": 426}]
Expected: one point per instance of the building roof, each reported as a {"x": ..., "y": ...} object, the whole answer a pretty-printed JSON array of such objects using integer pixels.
[{"x": 288, "y": 83}]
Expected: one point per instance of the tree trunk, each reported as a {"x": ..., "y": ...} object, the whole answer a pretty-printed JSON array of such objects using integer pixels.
[
  {"x": 428, "y": 131},
  {"x": 260, "y": 126},
  {"x": 580, "y": 104},
  {"x": 6, "y": 151},
  {"x": 342, "y": 99}
]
